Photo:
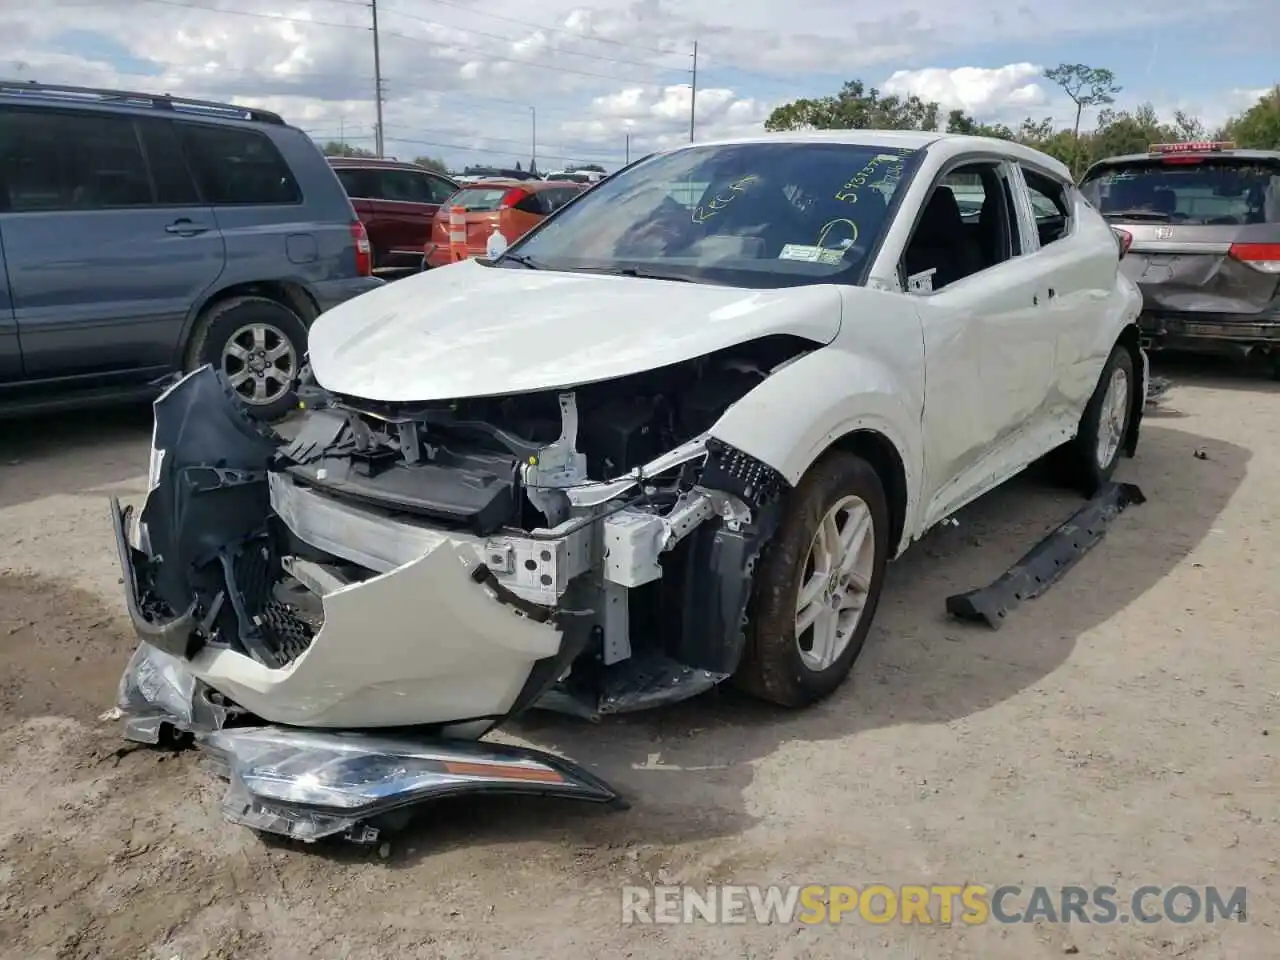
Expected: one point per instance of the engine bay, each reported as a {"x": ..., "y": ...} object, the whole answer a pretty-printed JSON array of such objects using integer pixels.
[{"x": 465, "y": 464}]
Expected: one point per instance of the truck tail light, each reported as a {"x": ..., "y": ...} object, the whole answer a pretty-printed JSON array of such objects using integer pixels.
[
  {"x": 364, "y": 252},
  {"x": 1261, "y": 256}
]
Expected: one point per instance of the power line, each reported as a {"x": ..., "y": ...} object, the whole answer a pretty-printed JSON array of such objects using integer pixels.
[
  {"x": 480, "y": 136},
  {"x": 472, "y": 11},
  {"x": 463, "y": 148},
  {"x": 489, "y": 54},
  {"x": 572, "y": 53}
]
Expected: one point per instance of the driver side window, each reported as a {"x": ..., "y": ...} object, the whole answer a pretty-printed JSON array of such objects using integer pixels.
[{"x": 967, "y": 226}]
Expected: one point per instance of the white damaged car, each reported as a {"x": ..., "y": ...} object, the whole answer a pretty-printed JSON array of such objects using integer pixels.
[{"x": 670, "y": 438}]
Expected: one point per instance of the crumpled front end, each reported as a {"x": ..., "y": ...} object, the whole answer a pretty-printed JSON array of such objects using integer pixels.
[
  {"x": 423, "y": 572},
  {"x": 250, "y": 635},
  {"x": 218, "y": 580}
]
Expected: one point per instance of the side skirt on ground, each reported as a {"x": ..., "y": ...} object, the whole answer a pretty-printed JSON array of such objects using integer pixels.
[{"x": 1046, "y": 562}]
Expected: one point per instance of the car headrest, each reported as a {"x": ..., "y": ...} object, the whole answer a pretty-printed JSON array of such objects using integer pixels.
[{"x": 940, "y": 223}]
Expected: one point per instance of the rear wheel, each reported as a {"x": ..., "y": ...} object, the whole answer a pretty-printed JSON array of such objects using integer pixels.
[
  {"x": 818, "y": 584},
  {"x": 257, "y": 345},
  {"x": 1091, "y": 457}
]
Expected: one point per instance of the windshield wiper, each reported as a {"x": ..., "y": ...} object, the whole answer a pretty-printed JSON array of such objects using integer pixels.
[
  {"x": 521, "y": 259},
  {"x": 1138, "y": 215},
  {"x": 640, "y": 274}
]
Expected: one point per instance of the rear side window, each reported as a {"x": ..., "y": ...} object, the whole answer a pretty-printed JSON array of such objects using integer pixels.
[
  {"x": 238, "y": 167},
  {"x": 439, "y": 190},
  {"x": 558, "y": 197},
  {"x": 1051, "y": 204},
  {"x": 361, "y": 184},
  {"x": 51, "y": 160},
  {"x": 169, "y": 173},
  {"x": 1224, "y": 191},
  {"x": 404, "y": 186},
  {"x": 538, "y": 202}
]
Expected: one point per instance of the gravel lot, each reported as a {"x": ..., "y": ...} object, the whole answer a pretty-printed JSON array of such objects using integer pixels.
[{"x": 1114, "y": 732}]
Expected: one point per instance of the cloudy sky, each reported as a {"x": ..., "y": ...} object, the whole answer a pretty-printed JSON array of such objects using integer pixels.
[{"x": 465, "y": 80}]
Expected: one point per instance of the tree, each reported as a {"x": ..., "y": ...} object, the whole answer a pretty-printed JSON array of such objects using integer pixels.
[
  {"x": 1120, "y": 132},
  {"x": 432, "y": 163},
  {"x": 337, "y": 148},
  {"x": 856, "y": 107},
  {"x": 1258, "y": 128},
  {"x": 593, "y": 167},
  {"x": 1087, "y": 87},
  {"x": 960, "y": 122}
]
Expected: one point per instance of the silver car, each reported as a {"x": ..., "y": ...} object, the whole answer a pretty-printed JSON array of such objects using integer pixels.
[{"x": 1201, "y": 224}]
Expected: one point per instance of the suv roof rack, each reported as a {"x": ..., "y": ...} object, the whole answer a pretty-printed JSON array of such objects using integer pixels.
[{"x": 132, "y": 99}]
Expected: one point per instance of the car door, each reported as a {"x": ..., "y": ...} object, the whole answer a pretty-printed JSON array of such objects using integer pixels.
[
  {"x": 405, "y": 209},
  {"x": 987, "y": 359},
  {"x": 1074, "y": 262},
  {"x": 10, "y": 348},
  {"x": 107, "y": 244}
]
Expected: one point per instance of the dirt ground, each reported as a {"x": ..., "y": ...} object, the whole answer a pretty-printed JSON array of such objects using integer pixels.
[{"x": 1114, "y": 732}]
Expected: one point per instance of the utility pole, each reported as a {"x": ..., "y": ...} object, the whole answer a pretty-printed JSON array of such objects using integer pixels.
[
  {"x": 377, "y": 77},
  {"x": 628, "y": 146},
  {"x": 533, "y": 157},
  {"x": 693, "y": 91}
]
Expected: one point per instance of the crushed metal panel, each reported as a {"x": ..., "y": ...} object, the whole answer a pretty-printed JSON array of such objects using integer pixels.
[{"x": 1048, "y": 560}]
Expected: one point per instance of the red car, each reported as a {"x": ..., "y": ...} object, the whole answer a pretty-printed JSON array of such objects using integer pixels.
[
  {"x": 397, "y": 203},
  {"x": 513, "y": 206}
]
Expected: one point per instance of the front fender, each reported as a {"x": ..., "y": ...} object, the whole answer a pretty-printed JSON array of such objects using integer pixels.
[{"x": 792, "y": 417}]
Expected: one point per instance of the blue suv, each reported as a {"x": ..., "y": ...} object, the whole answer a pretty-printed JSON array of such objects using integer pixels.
[{"x": 146, "y": 235}]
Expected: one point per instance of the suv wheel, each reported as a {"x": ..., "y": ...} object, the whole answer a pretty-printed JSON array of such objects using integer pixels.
[{"x": 257, "y": 345}]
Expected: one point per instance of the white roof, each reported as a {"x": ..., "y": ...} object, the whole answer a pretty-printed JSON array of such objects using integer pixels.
[{"x": 910, "y": 139}]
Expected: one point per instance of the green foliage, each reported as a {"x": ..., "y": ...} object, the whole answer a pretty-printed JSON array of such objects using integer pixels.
[
  {"x": 1115, "y": 132},
  {"x": 336, "y": 148},
  {"x": 856, "y": 107},
  {"x": 1258, "y": 128},
  {"x": 433, "y": 164}
]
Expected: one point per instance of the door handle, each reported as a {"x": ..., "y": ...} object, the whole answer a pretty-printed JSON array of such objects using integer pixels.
[{"x": 186, "y": 228}]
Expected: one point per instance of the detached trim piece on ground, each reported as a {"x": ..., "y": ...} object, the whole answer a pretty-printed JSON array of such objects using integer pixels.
[{"x": 1048, "y": 560}]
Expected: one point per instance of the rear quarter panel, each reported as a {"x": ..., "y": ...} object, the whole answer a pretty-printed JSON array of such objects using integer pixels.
[{"x": 1099, "y": 299}]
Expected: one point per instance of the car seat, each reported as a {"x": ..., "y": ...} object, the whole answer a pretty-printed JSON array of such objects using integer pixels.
[{"x": 941, "y": 243}]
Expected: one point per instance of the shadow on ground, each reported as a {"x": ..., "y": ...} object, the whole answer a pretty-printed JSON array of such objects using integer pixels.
[
  {"x": 72, "y": 452},
  {"x": 1218, "y": 372},
  {"x": 685, "y": 769}
]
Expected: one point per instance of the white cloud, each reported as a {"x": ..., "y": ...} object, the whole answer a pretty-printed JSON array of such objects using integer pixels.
[
  {"x": 460, "y": 77},
  {"x": 985, "y": 93}
]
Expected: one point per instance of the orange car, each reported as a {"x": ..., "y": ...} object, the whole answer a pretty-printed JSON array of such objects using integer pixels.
[{"x": 514, "y": 205}]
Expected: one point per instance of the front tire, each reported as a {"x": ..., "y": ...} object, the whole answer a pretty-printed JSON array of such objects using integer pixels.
[
  {"x": 257, "y": 346},
  {"x": 1092, "y": 456},
  {"x": 818, "y": 584}
]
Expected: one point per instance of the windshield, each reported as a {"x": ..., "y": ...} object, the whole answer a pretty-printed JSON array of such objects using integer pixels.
[
  {"x": 760, "y": 215},
  {"x": 1220, "y": 190}
]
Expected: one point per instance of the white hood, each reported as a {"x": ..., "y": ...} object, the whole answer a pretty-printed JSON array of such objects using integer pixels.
[{"x": 466, "y": 330}]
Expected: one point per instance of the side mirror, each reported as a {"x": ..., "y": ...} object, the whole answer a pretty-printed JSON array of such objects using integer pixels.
[{"x": 1124, "y": 240}]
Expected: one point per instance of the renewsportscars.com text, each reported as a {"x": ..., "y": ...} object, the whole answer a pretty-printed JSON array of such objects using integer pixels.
[{"x": 942, "y": 904}]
